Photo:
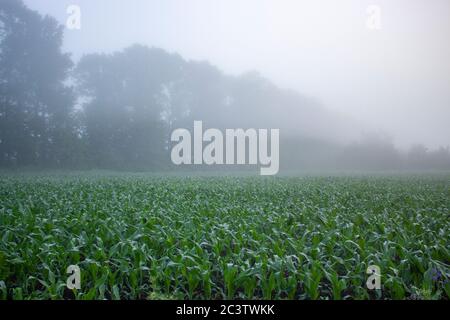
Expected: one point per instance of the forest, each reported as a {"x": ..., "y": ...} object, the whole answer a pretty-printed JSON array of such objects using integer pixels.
[{"x": 117, "y": 110}]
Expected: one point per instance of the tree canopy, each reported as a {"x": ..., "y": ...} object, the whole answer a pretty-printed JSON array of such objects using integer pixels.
[{"x": 117, "y": 110}]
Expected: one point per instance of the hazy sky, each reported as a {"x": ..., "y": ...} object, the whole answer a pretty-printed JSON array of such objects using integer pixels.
[{"x": 396, "y": 79}]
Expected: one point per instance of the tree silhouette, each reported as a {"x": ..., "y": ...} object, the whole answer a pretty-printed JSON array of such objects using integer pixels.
[{"x": 35, "y": 104}]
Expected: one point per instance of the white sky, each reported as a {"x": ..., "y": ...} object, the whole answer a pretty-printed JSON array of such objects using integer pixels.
[{"x": 396, "y": 79}]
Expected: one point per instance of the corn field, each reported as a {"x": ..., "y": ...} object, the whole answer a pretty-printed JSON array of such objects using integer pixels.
[{"x": 151, "y": 237}]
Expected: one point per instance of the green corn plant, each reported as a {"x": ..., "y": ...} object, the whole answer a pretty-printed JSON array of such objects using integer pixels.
[
  {"x": 338, "y": 285},
  {"x": 3, "y": 291},
  {"x": 230, "y": 273},
  {"x": 312, "y": 280}
]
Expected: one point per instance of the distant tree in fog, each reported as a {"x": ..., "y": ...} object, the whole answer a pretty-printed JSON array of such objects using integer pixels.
[
  {"x": 35, "y": 105},
  {"x": 372, "y": 152},
  {"x": 419, "y": 157},
  {"x": 123, "y": 105}
]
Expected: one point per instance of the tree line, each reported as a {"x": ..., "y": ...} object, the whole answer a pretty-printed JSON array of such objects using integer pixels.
[{"x": 116, "y": 111}]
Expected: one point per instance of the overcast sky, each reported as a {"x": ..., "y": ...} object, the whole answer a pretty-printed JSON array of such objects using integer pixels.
[{"x": 395, "y": 79}]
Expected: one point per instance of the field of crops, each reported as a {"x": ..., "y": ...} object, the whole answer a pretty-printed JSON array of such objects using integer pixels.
[{"x": 150, "y": 237}]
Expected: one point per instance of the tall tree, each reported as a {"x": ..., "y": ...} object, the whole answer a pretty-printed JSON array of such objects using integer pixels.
[
  {"x": 124, "y": 96},
  {"x": 35, "y": 103}
]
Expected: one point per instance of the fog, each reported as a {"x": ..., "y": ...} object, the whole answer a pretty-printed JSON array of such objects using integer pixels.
[
  {"x": 395, "y": 80},
  {"x": 340, "y": 87}
]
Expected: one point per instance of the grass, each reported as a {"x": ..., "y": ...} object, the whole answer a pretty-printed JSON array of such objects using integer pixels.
[{"x": 154, "y": 237}]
